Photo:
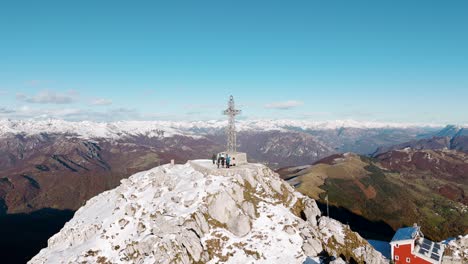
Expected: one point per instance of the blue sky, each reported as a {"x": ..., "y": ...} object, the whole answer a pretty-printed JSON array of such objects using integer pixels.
[{"x": 398, "y": 61}]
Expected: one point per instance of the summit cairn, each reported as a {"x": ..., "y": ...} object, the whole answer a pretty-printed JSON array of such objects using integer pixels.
[{"x": 237, "y": 158}]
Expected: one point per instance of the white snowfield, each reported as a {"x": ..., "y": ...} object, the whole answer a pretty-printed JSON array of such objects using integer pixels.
[
  {"x": 88, "y": 129},
  {"x": 195, "y": 213}
]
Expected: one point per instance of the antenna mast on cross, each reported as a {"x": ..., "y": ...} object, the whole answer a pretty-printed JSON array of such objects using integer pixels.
[{"x": 231, "y": 112}]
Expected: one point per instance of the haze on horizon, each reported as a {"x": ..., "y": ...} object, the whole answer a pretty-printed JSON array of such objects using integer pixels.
[{"x": 309, "y": 60}]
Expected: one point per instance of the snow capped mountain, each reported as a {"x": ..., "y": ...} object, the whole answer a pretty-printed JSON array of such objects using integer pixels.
[
  {"x": 114, "y": 130},
  {"x": 195, "y": 213},
  {"x": 88, "y": 129},
  {"x": 333, "y": 124},
  {"x": 451, "y": 131}
]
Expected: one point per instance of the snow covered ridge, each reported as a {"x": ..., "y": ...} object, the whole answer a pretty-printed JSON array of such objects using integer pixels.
[
  {"x": 195, "y": 213},
  {"x": 90, "y": 129}
]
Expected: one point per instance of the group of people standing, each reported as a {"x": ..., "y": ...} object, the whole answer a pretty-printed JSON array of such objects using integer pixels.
[{"x": 222, "y": 159}]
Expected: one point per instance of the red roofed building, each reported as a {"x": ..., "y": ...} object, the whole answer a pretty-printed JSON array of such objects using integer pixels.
[{"x": 408, "y": 245}]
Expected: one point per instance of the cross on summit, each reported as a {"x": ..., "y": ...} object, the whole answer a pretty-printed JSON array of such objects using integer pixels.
[
  {"x": 231, "y": 112},
  {"x": 236, "y": 158}
]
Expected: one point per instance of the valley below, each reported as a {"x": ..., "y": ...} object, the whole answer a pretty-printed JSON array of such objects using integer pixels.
[{"x": 390, "y": 189}]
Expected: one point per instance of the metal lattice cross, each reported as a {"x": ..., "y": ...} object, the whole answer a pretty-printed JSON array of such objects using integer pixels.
[{"x": 231, "y": 112}]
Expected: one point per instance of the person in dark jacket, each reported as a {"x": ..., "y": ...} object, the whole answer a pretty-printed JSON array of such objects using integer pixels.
[
  {"x": 223, "y": 159},
  {"x": 213, "y": 158}
]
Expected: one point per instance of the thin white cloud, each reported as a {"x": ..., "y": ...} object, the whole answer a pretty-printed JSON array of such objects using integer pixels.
[
  {"x": 284, "y": 105},
  {"x": 49, "y": 97},
  {"x": 21, "y": 96},
  {"x": 101, "y": 101},
  {"x": 4, "y": 110},
  {"x": 77, "y": 114},
  {"x": 101, "y": 116},
  {"x": 72, "y": 114},
  {"x": 315, "y": 114},
  {"x": 204, "y": 106},
  {"x": 193, "y": 113},
  {"x": 149, "y": 92},
  {"x": 37, "y": 82}
]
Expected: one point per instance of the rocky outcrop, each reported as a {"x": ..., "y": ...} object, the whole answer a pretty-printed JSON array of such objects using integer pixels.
[
  {"x": 194, "y": 213},
  {"x": 339, "y": 240},
  {"x": 456, "y": 251}
]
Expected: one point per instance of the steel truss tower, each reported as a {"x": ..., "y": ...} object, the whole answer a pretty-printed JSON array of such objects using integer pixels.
[{"x": 231, "y": 112}]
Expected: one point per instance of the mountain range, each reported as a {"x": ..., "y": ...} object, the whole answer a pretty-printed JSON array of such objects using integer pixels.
[
  {"x": 44, "y": 161},
  {"x": 58, "y": 165},
  {"x": 450, "y": 137}
]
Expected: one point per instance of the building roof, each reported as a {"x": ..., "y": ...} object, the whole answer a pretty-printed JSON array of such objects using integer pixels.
[{"x": 405, "y": 233}]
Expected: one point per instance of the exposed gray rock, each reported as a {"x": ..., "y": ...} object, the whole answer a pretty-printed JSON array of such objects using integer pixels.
[{"x": 239, "y": 215}]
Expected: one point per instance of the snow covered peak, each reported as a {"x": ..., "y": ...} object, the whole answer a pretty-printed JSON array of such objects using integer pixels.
[
  {"x": 195, "y": 213},
  {"x": 89, "y": 129},
  {"x": 331, "y": 124}
]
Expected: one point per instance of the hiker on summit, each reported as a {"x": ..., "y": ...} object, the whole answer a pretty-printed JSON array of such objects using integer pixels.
[
  {"x": 223, "y": 159},
  {"x": 228, "y": 161}
]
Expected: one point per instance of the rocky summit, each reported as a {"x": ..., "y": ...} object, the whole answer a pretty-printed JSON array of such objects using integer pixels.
[{"x": 196, "y": 213}]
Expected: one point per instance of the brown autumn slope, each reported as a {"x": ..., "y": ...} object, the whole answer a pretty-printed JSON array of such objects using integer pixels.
[
  {"x": 445, "y": 172},
  {"x": 61, "y": 172},
  {"x": 427, "y": 187},
  {"x": 279, "y": 148}
]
